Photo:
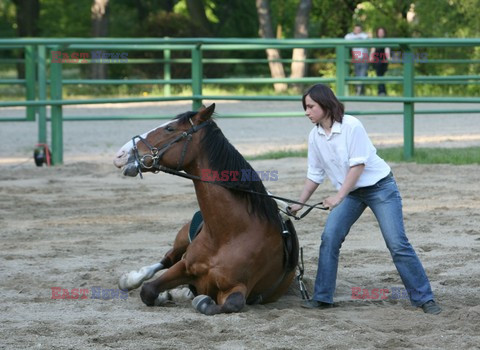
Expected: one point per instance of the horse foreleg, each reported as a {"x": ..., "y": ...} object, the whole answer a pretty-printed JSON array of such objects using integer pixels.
[
  {"x": 234, "y": 301},
  {"x": 134, "y": 279},
  {"x": 173, "y": 277}
]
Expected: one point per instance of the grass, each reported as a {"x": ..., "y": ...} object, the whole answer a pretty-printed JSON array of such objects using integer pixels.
[{"x": 456, "y": 156}]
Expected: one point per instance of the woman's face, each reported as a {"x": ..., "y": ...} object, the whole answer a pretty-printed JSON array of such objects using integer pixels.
[
  {"x": 380, "y": 33},
  {"x": 314, "y": 111}
]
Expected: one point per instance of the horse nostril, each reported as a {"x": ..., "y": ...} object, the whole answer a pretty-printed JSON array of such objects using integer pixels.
[{"x": 120, "y": 154}]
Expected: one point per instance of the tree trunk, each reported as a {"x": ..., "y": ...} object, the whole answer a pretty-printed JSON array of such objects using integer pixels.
[
  {"x": 298, "y": 68},
  {"x": 99, "y": 13},
  {"x": 196, "y": 10},
  {"x": 27, "y": 13},
  {"x": 266, "y": 31}
]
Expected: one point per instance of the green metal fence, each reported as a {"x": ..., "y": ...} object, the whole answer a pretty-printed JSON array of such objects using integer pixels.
[{"x": 37, "y": 61}]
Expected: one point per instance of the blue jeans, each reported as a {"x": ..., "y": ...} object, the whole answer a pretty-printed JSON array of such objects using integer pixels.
[
  {"x": 361, "y": 70},
  {"x": 385, "y": 201}
]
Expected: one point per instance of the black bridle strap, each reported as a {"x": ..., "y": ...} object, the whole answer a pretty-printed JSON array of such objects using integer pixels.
[
  {"x": 184, "y": 152},
  {"x": 238, "y": 188},
  {"x": 157, "y": 153}
]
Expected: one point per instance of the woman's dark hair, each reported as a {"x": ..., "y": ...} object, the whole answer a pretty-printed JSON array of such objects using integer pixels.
[{"x": 325, "y": 97}]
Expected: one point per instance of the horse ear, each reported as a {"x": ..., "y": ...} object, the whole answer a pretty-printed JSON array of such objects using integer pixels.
[{"x": 205, "y": 113}]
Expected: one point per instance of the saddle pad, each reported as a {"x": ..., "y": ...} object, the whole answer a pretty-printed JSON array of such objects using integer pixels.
[{"x": 195, "y": 226}]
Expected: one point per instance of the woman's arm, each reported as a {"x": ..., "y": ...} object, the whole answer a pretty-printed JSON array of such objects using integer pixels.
[
  {"x": 307, "y": 191},
  {"x": 350, "y": 180}
]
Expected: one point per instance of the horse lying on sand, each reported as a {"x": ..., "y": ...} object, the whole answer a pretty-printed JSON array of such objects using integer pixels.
[{"x": 245, "y": 252}]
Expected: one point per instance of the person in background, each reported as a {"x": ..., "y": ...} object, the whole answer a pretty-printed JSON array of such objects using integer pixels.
[
  {"x": 359, "y": 57},
  {"x": 340, "y": 149},
  {"x": 379, "y": 58}
]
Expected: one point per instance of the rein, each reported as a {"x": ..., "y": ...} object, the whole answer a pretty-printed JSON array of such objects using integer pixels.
[
  {"x": 239, "y": 188},
  {"x": 156, "y": 155}
]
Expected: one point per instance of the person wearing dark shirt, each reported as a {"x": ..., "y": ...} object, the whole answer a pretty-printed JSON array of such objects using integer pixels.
[{"x": 379, "y": 57}]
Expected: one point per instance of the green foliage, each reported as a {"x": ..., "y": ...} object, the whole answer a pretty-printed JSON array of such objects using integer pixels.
[
  {"x": 65, "y": 18},
  {"x": 283, "y": 17},
  {"x": 456, "y": 156},
  {"x": 7, "y": 19},
  {"x": 286, "y": 153},
  {"x": 444, "y": 19},
  {"x": 235, "y": 18}
]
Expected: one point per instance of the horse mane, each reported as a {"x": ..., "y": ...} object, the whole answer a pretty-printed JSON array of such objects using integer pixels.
[{"x": 222, "y": 155}]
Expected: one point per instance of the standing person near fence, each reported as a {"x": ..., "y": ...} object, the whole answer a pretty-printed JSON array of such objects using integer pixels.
[
  {"x": 359, "y": 57},
  {"x": 379, "y": 57},
  {"x": 340, "y": 148}
]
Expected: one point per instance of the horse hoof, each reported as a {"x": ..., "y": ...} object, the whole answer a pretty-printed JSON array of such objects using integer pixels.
[
  {"x": 134, "y": 279},
  {"x": 202, "y": 302},
  {"x": 129, "y": 282},
  {"x": 147, "y": 295}
]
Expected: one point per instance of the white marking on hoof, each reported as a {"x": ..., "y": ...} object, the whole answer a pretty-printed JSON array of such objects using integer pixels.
[
  {"x": 181, "y": 294},
  {"x": 134, "y": 279},
  {"x": 163, "y": 298},
  {"x": 201, "y": 302}
]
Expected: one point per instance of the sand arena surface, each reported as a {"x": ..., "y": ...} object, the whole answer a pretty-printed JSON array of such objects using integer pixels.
[{"x": 82, "y": 224}]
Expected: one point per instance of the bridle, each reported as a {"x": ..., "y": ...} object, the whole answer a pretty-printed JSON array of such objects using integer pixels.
[{"x": 156, "y": 153}]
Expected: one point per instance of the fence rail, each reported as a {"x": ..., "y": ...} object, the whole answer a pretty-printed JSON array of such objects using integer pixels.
[{"x": 38, "y": 61}]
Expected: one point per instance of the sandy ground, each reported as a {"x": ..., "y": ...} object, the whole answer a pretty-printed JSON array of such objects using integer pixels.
[{"x": 82, "y": 224}]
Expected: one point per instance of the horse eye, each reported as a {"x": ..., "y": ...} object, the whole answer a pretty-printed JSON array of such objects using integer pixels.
[{"x": 169, "y": 128}]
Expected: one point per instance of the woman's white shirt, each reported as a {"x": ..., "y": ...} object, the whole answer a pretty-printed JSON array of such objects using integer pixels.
[{"x": 347, "y": 145}]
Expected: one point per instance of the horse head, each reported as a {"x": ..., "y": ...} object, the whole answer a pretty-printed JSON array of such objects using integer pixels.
[{"x": 170, "y": 145}]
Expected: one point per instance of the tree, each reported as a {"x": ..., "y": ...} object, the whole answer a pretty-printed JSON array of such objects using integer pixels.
[
  {"x": 27, "y": 17},
  {"x": 301, "y": 31},
  {"x": 196, "y": 9},
  {"x": 99, "y": 11},
  {"x": 266, "y": 31},
  {"x": 27, "y": 14}
]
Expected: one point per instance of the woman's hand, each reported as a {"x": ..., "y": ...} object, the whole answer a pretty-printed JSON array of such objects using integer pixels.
[
  {"x": 294, "y": 208},
  {"x": 332, "y": 202}
]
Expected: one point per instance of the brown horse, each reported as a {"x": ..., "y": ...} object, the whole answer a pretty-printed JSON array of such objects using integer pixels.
[{"x": 240, "y": 255}]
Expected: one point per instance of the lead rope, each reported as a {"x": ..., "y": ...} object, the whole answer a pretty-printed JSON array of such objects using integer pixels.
[{"x": 301, "y": 270}]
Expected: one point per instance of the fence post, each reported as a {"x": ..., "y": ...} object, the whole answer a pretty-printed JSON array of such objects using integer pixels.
[
  {"x": 341, "y": 69},
  {"x": 30, "y": 79},
  {"x": 408, "y": 107},
  {"x": 197, "y": 76},
  {"x": 57, "y": 113},
  {"x": 42, "y": 93},
  {"x": 166, "y": 72}
]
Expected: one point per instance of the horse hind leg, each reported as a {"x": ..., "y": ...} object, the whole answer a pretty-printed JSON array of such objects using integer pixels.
[
  {"x": 174, "y": 295},
  {"x": 134, "y": 279},
  {"x": 172, "y": 278},
  {"x": 234, "y": 302}
]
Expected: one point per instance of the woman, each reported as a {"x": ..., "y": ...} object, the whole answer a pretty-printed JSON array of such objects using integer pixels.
[
  {"x": 340, "y": 148},
  {"x": 379, "y": 57}
]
